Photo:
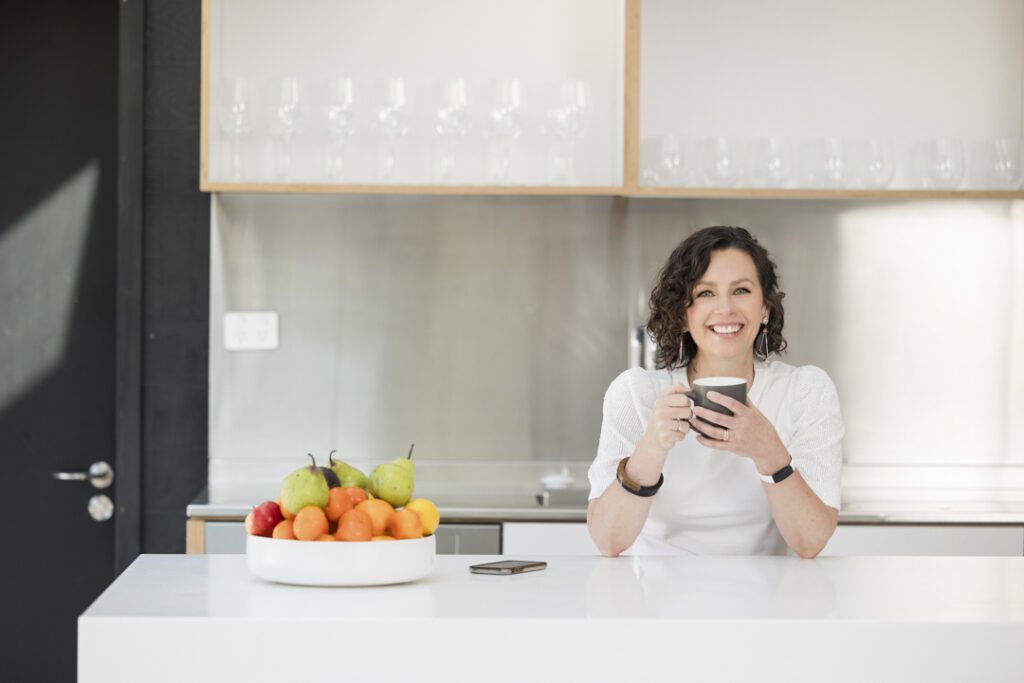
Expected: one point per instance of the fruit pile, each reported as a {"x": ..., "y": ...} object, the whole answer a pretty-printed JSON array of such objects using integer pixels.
[{"x": 339, "y": 503}]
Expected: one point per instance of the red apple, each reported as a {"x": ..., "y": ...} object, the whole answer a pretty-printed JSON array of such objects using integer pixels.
[{"x": 263, "y": 518}]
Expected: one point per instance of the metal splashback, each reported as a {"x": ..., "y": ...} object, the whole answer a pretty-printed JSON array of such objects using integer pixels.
[{"x": 488, "y": 328}]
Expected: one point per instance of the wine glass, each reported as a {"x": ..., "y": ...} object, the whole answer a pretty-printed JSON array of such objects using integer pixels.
[
  {"x": 504, "y": 127},
  {"x": 940, "y": 163},
  {"x": 451, "y": 124},
  {"x": 718, "y": 161},
  {"x": 286, "y": 125},
  {"x": 235, "y": 113},
  {"x": 391, "y": 122},
  {"x": 565, "y": 124},
  {"x": 660, "y": 160},
  {"x": 341, "y": 115},
  {"x": 872, "y": 162},
  {"x": 768, "y": 162},
  {"x": 997, "y": 164},
  {"x": 823, "y": 163}
]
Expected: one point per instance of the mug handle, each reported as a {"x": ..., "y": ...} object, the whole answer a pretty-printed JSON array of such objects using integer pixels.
[{"x": 692, "y": 395}]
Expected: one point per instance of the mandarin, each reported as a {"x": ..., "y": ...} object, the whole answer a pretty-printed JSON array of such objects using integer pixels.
[
  {"x": 405, "y": 524},
  {"x": 379, "y": 511},
  {"x": 338, "y": 503},
  {"x": 310, "y": 524},
  {"x": 354, "y": 525},
  {"x": 284, "y": 530},
  {"x": 358, "y": 495}
]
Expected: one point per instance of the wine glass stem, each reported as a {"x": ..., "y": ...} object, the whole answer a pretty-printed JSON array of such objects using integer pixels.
[
  {"x": 387, "y": 160},
  {"x": 284, "y": 156},
  {"x": 446, "y": 160},
  {"x": 560, "y": 161},
  {"x": 500, "y": 161},
  {"x": 234, "y": 155},
  {"x": 335, "y": 160}
]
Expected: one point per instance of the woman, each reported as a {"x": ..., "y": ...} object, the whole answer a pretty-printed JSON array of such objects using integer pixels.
[{"x": 767, "y": 477}]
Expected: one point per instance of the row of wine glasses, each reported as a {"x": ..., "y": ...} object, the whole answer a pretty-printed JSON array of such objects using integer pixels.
[
  {"x": 828, "y": 163},
  {"x": 451, "y": 117}
]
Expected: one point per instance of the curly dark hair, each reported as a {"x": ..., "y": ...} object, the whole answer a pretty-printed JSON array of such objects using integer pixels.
[{"x": 673, "y": 292}]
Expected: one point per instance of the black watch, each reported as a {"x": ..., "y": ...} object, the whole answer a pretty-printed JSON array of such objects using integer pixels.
[
  {"x": 780, "y": 475},
  {"x": 633, "y": 487}
]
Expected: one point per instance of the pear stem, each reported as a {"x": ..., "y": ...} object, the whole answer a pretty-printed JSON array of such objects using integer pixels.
[
  {"x": 330, "y": 457},
  {"x": 410, "y": 451},
  {"x": 313, "y": 459}
]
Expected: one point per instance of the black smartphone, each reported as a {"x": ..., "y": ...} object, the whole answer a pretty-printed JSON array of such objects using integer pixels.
[{"x": 507, "y": 567}]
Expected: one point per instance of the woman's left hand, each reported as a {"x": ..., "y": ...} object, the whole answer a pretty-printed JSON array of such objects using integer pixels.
[{"x": 750, "y": 434}]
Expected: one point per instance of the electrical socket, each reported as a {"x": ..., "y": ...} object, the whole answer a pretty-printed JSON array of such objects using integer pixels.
[{"x": 250, "y": 331}]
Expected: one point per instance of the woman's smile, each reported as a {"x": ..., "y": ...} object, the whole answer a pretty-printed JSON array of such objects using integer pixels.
[{"x": 727, "y": 331}]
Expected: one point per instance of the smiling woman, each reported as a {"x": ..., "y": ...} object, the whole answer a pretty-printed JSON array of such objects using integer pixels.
[{"x": 762, "y": 477}]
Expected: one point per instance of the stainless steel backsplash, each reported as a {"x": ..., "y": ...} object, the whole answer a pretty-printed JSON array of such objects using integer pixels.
[{"x": 488, "y": 328}]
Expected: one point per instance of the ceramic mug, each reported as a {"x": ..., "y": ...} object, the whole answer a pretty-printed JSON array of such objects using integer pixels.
[{"x": 733, "y": 387}]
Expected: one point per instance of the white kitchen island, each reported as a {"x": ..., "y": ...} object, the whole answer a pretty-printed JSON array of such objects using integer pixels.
[{"x": 205, "y": 618}]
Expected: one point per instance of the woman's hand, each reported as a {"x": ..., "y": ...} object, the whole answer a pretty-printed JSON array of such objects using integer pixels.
[
  {"x": 670, "y": 418},
  {"x": 750, "y": 434}
]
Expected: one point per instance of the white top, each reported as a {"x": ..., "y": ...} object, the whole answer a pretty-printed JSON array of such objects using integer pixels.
[{"x": 712, "y": 502}]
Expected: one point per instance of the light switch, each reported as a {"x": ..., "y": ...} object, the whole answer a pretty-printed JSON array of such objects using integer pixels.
[{"x": 250, "y": 331}]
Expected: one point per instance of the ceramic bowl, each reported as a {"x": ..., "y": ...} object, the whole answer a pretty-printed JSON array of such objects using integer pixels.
[{"x": 341, "y": 563}]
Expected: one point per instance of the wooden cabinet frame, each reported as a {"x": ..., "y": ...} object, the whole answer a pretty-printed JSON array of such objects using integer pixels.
[{"x": 630, "y": 186}]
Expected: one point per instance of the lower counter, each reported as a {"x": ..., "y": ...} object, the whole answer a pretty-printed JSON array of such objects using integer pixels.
[
  {"x": 572, "y": 538},
  {"x": 204, "y": 617}
]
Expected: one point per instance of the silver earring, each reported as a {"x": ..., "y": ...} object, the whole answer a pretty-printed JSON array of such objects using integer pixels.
[
  {"x": 682, "y": 351},
  {"x": 763, "y": 352}
]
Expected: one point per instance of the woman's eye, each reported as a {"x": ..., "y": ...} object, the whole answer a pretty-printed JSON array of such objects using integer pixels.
[
  {"x": 706, "y": 291},
  {"x": 743, "y": 289}
]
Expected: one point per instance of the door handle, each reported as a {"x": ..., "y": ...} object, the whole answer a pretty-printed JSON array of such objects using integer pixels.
[{"x": 100, "y": 475}]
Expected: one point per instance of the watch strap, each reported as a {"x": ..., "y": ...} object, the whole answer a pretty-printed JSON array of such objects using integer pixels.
[
  {"x": 780, "y": 475},
  {"x": 633, "y": 487}
]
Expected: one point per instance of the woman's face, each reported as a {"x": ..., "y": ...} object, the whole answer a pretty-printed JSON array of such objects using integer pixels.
[{"x": 727, "y": 307}]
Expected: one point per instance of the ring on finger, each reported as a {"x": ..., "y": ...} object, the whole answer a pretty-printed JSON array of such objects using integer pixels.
[
  {"x": 725, "y": 434},
  {"x": 679, "y": 424}
]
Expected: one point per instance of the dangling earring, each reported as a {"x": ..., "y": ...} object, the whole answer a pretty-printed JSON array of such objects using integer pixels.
[
  {"x": 763, "y": 352},
  {"x": 682, "y": 351}
]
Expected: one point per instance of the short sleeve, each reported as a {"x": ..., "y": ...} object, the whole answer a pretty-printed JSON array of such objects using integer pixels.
[
  {"x": 627, "y": 405},
  {"x": 817, "y": 433}
]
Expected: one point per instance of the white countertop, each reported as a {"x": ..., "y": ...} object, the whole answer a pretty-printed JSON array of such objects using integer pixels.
[{"x": 860, "y": 618}]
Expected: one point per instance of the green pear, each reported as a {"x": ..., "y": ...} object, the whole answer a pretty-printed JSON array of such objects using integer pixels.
[
  {"x": 347, "y": 474},
  {"x": 393, "y": 481},
  {"x": 305, "y": 486}
]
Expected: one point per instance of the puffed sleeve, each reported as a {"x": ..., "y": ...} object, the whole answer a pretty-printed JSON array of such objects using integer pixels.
[
  {"x": 627, "y": 405},
  {"x": 816, "y": 441}
]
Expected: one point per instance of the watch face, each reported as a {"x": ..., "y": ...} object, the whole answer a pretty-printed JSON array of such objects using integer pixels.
[{"x": 782, "y": 474}]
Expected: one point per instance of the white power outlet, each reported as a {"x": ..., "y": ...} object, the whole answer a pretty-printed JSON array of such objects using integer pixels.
[{"x": 251, "y": 331}]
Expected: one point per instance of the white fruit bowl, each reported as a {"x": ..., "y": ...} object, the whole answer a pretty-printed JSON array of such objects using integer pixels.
[{"x": 341, "y": 563}]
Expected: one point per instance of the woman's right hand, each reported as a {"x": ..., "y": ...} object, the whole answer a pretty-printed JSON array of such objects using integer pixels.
[{"x": 670, "y": 418}]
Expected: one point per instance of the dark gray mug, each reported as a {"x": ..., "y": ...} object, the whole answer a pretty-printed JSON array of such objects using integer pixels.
[{"x": 733, "y": 387}]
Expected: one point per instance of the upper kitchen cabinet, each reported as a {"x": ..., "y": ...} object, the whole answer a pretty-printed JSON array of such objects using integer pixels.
[
  {"x": 850, "y": 98},
  {"x": 419, "y": 96}
]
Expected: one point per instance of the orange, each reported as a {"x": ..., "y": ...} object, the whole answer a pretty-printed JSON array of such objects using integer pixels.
[
  {"x": 357, "y": 495},
  {"x": 428, "y": 514},
  {"x": 310, "y": 524},
  {"x": 327, "y": 537},
  {"x": 284, "y": 530},
  {"x": 379, "y": 512},
  {"x": 354, "y": 525},
  {"x": 284, "y": 510},
  {"x": 383, "y": 538},
  {"x": 338, "y": 502},
  {"x": 405, "y": 524}
]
